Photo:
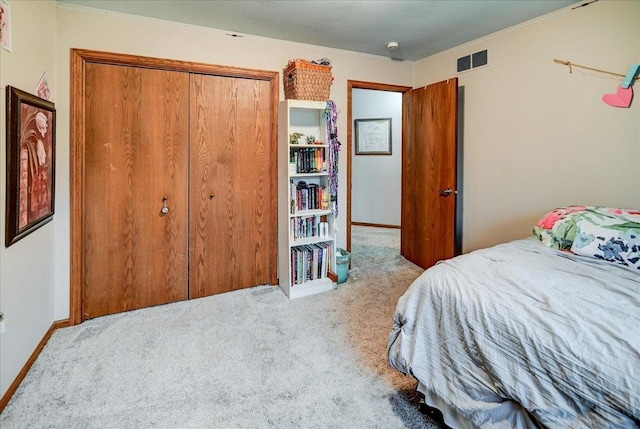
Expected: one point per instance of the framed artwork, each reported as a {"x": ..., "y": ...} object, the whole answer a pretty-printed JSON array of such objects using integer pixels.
[
  {"x": 31, "y": 123},
  {"x": 5, "y": 25},
  {"x": 373, "y": 136}
]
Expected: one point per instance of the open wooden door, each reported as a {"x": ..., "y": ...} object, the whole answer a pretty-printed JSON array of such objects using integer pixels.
[{"x": 429, "y": 138}]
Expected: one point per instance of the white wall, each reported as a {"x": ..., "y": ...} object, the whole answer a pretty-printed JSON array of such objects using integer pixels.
[
  {"x": 27, "y": 270},
  {"x": 537, "y": 137},
  {"x": 377, "y": 179}
]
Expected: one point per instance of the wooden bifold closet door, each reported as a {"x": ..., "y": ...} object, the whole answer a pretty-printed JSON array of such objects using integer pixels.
[
  {"x": 202, "y": 146},
  {"x": 232, "y": 191},
  {"x": 136, "y": 154}
]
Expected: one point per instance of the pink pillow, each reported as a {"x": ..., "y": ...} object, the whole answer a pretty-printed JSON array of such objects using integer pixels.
[{"x": 557, "y": 228}]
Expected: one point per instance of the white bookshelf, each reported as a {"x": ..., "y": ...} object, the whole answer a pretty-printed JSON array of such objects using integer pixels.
[{"x": 298, "y": 226}]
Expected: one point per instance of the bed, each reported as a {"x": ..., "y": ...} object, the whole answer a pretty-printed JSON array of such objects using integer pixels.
[{"x": 539, "y": 332}]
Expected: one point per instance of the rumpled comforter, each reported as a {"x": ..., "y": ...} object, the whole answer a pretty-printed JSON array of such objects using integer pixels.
[{"x": 520, "y": 335}]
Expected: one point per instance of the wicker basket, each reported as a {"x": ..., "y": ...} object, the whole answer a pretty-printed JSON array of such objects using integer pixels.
[{"x": 304, "y": 80}]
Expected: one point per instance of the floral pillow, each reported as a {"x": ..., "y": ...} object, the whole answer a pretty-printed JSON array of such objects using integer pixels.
[
  {"x": 609, "y": 234},
  {"x": 557, "y": 228}
]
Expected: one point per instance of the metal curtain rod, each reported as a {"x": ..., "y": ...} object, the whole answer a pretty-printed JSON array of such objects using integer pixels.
[{"x": 571, "y": 65}]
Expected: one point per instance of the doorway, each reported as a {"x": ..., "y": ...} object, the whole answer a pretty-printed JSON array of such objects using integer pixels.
[
  {"x": 430, "y": 216},
  {"x": 381, "y": 227}
]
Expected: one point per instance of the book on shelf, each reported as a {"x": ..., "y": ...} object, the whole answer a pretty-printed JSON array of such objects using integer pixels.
[
  {"x": 308, "y": 159},
  {"x": 310, "y": 262},
  {"x": 303, "y": 196},
  {"x": 308, "y": 227}
]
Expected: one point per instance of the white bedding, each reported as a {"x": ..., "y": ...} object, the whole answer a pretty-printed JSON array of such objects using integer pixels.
[{"x": 521, "y": 333}]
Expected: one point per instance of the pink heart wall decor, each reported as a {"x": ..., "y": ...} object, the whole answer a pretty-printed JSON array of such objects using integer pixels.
[{"x": 620, "y": 99}]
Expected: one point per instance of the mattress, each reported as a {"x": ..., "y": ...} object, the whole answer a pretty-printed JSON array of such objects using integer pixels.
[{"x": 522, "y": 335}]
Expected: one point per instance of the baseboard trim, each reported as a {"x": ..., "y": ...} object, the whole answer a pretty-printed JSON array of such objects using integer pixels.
[
  {"x": 27, "y": 366},
  {"x": 378, "y": 225}
]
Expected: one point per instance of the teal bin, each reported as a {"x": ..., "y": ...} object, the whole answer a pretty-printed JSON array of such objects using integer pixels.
[{"x": 343, "y": 259}]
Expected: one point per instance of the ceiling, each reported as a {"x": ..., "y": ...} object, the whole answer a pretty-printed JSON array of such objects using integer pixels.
[{"x": 421, "y": 28}]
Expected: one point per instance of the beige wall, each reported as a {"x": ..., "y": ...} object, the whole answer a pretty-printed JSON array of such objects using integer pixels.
[
  {"x": 27, "y": 267},
  {"x": 537, "y": 137},
  {"x": 97, "y": 30}
]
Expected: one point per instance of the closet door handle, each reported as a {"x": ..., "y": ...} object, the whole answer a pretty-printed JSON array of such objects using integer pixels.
[
  {"x": 445, "y": 192},
  {"x": 165, "y": 209}
]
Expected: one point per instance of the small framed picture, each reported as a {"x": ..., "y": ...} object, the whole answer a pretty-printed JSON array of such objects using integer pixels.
[
  {"x": 31, "y": 134},
  {"x": 5, "y": 25},
  {"x": 373, "y": 136}
]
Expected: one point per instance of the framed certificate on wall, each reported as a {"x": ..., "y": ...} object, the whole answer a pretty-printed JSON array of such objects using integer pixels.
[{"x": 373, "y": 136}]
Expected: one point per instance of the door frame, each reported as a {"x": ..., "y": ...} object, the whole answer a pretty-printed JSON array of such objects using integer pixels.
[
  {"x": 357, "y": 84},
  {"x": 79, "y": 58}
]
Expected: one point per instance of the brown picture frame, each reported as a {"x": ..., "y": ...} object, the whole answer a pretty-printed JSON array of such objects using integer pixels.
[
  {"x": 31, "y": 141},
  {"x": 373, "y": 136}
]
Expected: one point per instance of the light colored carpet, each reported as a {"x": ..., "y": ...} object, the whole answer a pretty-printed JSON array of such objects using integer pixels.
[
  {"x": 371, "y": 246},
  {"x": 244, "y": 359}
]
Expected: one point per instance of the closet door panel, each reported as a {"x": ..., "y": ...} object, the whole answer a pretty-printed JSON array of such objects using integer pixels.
[
  {"x": 231, "y": 187},
  {"x": 136, "y": 155}
]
